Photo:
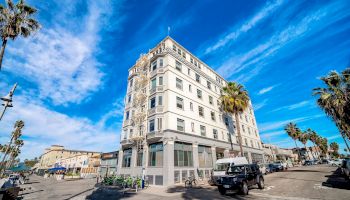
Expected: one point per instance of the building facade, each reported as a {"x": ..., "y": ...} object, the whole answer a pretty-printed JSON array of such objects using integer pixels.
[
  {"x": 173, "y": 127},
  {"x": 109, "y": 163},
  {"x": 57, "y": 155},
  {"x": 274, "y": 153}
]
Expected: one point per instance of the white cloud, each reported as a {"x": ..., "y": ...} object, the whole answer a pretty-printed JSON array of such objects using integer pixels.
[
  {"x": 44, "y": 127},
  {"x": 270, "y": 126},
  {"x": 271, "y": 134},
  {"x": 265, "y": 90},
  {"x": 257, "y": 106},
  {"x": 334, "y": 137},
  {"x": 296, "y": 106},
  {"x": 246, "y": 26},
  {"x": 61, "y": 59}
]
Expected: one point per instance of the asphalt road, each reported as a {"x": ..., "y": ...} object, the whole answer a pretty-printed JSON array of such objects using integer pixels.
[{"x": 311, "y": 182}]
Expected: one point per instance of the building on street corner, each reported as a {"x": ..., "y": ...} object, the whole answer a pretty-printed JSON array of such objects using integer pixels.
[
  {"x": 173, "y": 125},
  {"x": 108, "y": 164}
]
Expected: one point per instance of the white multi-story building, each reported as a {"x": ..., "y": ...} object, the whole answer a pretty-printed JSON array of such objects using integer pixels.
[{"x": 173, "y": 126}]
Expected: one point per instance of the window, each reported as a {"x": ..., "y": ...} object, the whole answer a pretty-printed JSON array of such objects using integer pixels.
[
  {"x": 203, "y": 131},
  {"x": 249, "y": 130},
  {"x": 178, "y": 66},
  {"x": 153, "y": 83},
  {"x": 179, "y": 51},
  {"x": 243, "y": 129},
  {"x": 205, "y": 158},
  {"x": 127, "y": 115},
  {"x": 174, "y": 48},
  {"x": 184, "y": 54},
  {"x": 195, "y": 63},
  {"x": 160, "y": 80},
  {"x": 156, "y": 155},
  {"x": 139, "y": 158},
  {"x": 212, "y": 114},
  {"x": 251, "y": 143},
  {"x": 215, "y": 134},
  {"x": 180, "y": 125},
  {"x": 151, "y": 125},
  {"x": 179, "y": 103},
  {"x": 154, "y": 65},
  {"x": 131, "y": 133},
  {"x": 160, "y": 100},
  {"x": 211, "y": 100},
  {"x": 209, "y": 85},
  {"x": 199, "y": 65},
  {"x": 153, "y": 102},
  {"x": 183, "y": 155},
  {"x": 218, "y": 103},
  {"x": 127, "y": 158},
  {"x": 192, "y": 127},
  {"x": 190, "y": 88},
  {"x": 226, "y": 121},
  {"x": 199, "y": 93},
  {"x": 159, "y": 124},
  {"x": 179, "y": 83},
  {"x": 131, "y": 82},
  {"x": 189, "y": 71},
  {"x": 191, "y": 59},
  {"x": 201, "y": 111},
  {"x": 191, "y": 106},
  {"x": 198, "y": 78},
  {"x": 161, "y": 62},
  {"x": 129, "y": 98},
  {"x": 246, "y": 118},
  {"x": 246, "y": 141}
]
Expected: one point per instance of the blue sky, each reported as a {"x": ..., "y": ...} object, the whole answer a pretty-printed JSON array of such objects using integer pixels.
[{"x": 72, "y": 74}]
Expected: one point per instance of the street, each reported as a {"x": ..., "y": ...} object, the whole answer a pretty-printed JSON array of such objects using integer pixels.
[{"x": 310, "y": 182}]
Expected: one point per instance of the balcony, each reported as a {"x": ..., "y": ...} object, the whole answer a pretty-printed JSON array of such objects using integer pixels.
[
  {"x": 156, "y": 89},
  {"x": 155, "y": 110},
  {"x": 157, "y": 71},
  {"x": 154, "y": 136}
]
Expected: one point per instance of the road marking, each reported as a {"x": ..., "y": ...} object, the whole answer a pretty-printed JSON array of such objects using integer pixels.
[
  {"x": 320, "y": 187},
  {"x": 277, "y": 197},
  {"x": 268, "y": 188}
]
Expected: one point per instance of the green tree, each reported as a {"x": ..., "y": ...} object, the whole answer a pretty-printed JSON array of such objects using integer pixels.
[
  {"x": 16, "y": 20},
  {"x": 234, "y": 100},
  {"x": 294, "y": 132},
  {"x": 312, "y": 137},
  {"x": 334, "y": 99},
  {"x": 335, "y": 147},
  {"x": 14, "y": 137},
  {"x": 303, "y": 138}
]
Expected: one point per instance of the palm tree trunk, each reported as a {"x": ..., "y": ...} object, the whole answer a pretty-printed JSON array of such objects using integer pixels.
[
  {"x": 5, "y": 155},
  {"x": 2, "y": 52},
  {"x": 312, "y": 153},
  {"x": 346, "y": 143},
  {"x": 239, "y": 134},
  {"x": 307, "y": 152},
  {"x": 297, "y": 150}
]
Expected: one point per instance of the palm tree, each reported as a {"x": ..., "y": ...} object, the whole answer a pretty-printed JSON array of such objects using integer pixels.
[
  {"x": 334, "y": 99},
  {"x": 335, "y": 147},
  {"x": 294, "y": 132},
  {"x": 303, "y": 138},
  {"x": 16, "y": 20},
  {"x": 312, "y": 137},
  {"x": 234, "y": 100},
  {"x": 14, "y": 137},
  {"x": 322, "y": 144}
]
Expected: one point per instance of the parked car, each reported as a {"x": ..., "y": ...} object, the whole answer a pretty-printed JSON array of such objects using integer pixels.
[
  {"x": 240, "y": 178},
  {"x": 324, "y": 161},
  {"x": 262, "y": 168},
  {"x": 281, "y": 163},
  {"x": 279, "y": 166},
  {"x": 336, "y": 162},
  {"x": 346, "y": 168},
  {"x": 309, "y": 162},
  {"x": 223, "y": 164},
  {"x": 272, "y": 168}
]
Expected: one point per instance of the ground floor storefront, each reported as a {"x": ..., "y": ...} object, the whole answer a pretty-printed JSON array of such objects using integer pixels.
[{"x": 170, "y": 161}]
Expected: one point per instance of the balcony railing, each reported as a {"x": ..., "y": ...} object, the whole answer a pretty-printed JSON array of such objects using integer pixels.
[{"x": 155, "y": 110}]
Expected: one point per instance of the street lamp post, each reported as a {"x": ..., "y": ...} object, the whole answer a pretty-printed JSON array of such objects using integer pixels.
[{"x": 7, "y": 100}]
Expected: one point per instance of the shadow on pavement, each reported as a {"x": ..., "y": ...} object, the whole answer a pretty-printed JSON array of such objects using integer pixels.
[
  {"x": 79, "y": 194},
  {"x": 203, "y": 192},
  {"x": 336, "y": 180},
  {"x": 28, "y": 183},
  {"x": 109, "y": 192}
]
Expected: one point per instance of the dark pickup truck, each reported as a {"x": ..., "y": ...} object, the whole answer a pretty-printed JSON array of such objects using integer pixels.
[{"x": 240, "y": 178}]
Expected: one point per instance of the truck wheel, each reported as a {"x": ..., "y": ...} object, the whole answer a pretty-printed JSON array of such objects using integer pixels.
[
  {"x": 222, "y": 190},
  {"x": 244, "y": 188},
  {"x": 261, "y": 184}
]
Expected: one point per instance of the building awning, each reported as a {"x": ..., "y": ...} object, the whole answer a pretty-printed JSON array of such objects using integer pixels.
[{"x": 57, "y": 169}]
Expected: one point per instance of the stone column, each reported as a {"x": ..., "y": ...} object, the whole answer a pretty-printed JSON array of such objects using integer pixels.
[
  {"x": 250, "y": 160},
  {"x": 168, "y": 163},
  {"x": 213, "y": 153},
  {"x": 133, "y": 157},
  {"x": 195, "y": 158},
  {"x": 226, "y": 153},
  {"x": 120, "y": 161}
]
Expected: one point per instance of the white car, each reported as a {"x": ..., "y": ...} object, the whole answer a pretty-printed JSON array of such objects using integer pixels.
[{"x": 336, "y": 162}]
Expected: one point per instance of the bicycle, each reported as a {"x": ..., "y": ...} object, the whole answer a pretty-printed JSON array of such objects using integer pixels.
[{"x": 190, "y": 182}]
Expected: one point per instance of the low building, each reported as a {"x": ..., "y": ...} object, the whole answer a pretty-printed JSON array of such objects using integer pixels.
[
  {"x": 90, "y": 167},
  {"x": 310, "y": 153},
  {"x": 109, "y": 164},
  {"x": 273, "y": 153},
  {"x": 57, "y": 155}
]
